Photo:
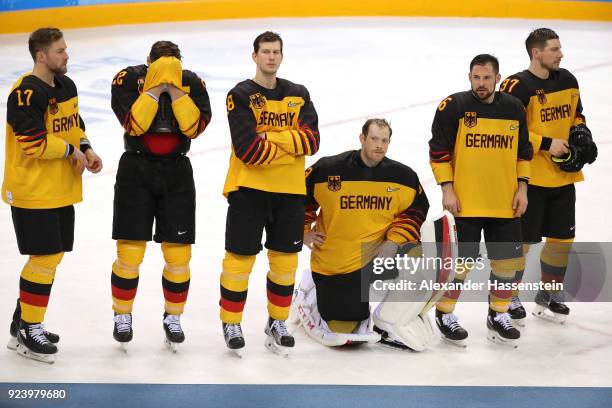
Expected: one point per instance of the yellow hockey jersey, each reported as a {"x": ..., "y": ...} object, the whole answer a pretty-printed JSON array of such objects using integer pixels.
[
  {"x": 272, "y": 130},
  {"x": 360, "y": 207},
  {"x": 483, "y": 149},
  {"x": 553, "y": 106},
  {"x": 41, "y": 121}
]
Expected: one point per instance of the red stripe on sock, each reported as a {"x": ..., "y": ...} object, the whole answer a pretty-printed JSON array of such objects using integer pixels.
[
  {"x": 33, "y": 300},
  {"x": 124, "y": 294},
  {"x": 234, "y": 307},
  {"x": 174, "y": 297},
  {"x": 280, "y": 301}
]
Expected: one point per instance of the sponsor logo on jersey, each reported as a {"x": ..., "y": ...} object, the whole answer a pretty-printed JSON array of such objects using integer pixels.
[
  {"x": 470, "y": 119},
  {"x": 53, "y": 108},
  {"x": 258, "y": 101},
  {"x": 293, "y": 104},
  {"x": 514, "y": 127},
  {"x": 392, "y": 189},
  {"x": 334, "y": 183},
  {"x": 541, "y": 96},
  {"x": 555, "y": 113}
]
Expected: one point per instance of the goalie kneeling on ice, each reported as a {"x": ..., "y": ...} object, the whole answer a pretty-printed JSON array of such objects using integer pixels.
[{"x": 401, "y": 313}]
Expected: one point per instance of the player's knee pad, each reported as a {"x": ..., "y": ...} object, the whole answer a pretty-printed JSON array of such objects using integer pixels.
[
  {"x": 556, "y": 251},
  {"x": 507, "y": 268},
  {"x": 282, "y": 267},
  {"x": 238, "y": 264},
  {"x": 42, "y": 266},
  {"x": 131, "y": 252},
  {"x": 176, "y": 254},
  {"x": 304, "y": 308}
]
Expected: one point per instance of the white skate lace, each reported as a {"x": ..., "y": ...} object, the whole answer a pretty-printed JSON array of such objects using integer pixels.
[
  {"x": 123, "y": 322},
  {"x": 233, "y": 330},
  {"x": 173, "y": 322},
  {"x": 450, "y": 320},
  {"x": 515, "y": 303},
  {"x": 279, "y": 327},
  {"x": 37, "y": 332},
  {"x": 504, "y": 320}
]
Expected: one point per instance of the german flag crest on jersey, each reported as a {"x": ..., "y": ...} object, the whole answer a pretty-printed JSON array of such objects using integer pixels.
[
  {"x": 258, "y": 100},
  {"x": 53, "y": 108},
  {"x": 541, "y": 96},
  {"x": 334, "y": 183},
  {"x": 470, "y": 119}
]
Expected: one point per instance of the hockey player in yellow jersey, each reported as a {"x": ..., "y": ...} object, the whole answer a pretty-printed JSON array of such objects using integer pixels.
[
  {"x": 562, "y": 145},
  {"x": 368, "y": 206},
  {"x": 162, "y": 108},
  {"x": 46, "y": 153},
  {"x": 479, "y": 154},
  {"x": 273, "y": 126}
]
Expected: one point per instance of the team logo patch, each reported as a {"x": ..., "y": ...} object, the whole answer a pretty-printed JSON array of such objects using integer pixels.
[
  {"x": 470, "y": 119},
  {"x": 257, "y": 100},
  {"x": 334, "y": 183},
  {"x": 541, "y": 96},
  {"x": 140, "y": 84},
  {"x": 53, "y": 108}
]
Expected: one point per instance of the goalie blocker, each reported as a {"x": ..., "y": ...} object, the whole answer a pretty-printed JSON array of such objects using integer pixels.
[{"x": 401, "y": 317}]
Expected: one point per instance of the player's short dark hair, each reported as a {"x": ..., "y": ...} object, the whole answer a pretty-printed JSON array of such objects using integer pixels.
[
  {"x": 484, "y": 59},
  {"x": 41, "y": 39},
  {"x": 381, "y": 123},
  {"x": 164, "y": 49},
  {"x": 268, "y": 36},
  {"x": 537, "y": 39}
]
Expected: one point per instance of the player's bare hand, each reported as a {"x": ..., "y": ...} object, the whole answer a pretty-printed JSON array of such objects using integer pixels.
[
  {"x": 387, "y": 249},
  {"x": 174, "y": 92},
  {"x": 314, "y": 238},
  {"x": 158, "y": 90},
  {"x": 519, "y": 203},
  {"x": 450, "y": 202},
  {"x": 78, "y": 160},
  {"x": 94, "y": 162},
  {"x": 558, "y": 147}
]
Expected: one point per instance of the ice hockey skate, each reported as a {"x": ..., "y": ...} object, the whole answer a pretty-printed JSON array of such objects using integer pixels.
[
  {"x": 122, "y": 331},
  {"x": 278, "y": 340},
  {"x": 450, "y": 329},
  {"x": 174, "y": 332},
  {"x": 517, "y": 311},
  {"x": 12, "y": 344},
  {"x": 501, "y": 330},
  {"x": 234, "y": 340},
  {"x": 551, "y": 307},
  {"x": 33, "y": 344}
]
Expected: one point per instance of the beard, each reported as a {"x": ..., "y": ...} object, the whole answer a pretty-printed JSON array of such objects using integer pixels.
[
  {"x": 484, "y": 98},
  {"x": 61, "y": 70}
]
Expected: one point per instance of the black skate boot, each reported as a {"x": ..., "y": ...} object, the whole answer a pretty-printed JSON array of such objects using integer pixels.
[
  {"x": 278, "y": 340},
  {"x": 501, "y": 330},
  {"x": 450, "y": 329},
  {"x": 32, "y": 343},
  {"x": 232, "y": 332},
  {"x": 174, "y": 332},
  {"x": 551, "y": 306},
  {"x": 12, "y": 344},
  {"x": 517, "y": 311},
  {"x": 122, "y": 331}
]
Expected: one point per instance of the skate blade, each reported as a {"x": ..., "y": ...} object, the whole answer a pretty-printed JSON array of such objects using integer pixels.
[
  {"x": 276, "y": 348},
  {"x": 545, "y": 314},
  {"x": 237, "y": 352},
  {"x": 12, "y": 344},
  {"x": 494, "y": 337},
  {"x": 124, "y": 346},
  {"x": 518, "y": 322},
  {"x": 26, "y": 353},
  {"x": 174, "y": 347},
  {"x": 394, "y": 345},
  {"x": 457, "y": 343}
]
